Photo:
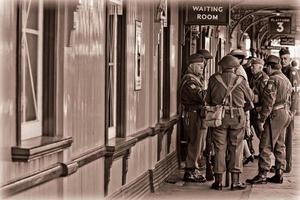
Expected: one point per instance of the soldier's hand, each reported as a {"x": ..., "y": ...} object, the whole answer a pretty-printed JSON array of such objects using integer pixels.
[
  {"x": 256, "y": 98},
  {"x": 248, "y": 131},
  {"x": 294, "y": 113},
  {"x": 260, "y": 126}
]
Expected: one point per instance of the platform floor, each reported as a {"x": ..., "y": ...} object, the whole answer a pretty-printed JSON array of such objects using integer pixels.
[{"x": 175, "y": 188}]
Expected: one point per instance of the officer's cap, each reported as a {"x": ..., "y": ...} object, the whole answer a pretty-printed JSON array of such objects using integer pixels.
[
  {"x": 205, "y": 53},
  {"x": 257, "y": 61},
  {"x": 271, "y": 59},
  {"x": 196, "y": 58},
  {"x": 284, "y": 51},
  {"x": 238, "y": 53},
  {"x": 228, "y": 62}
]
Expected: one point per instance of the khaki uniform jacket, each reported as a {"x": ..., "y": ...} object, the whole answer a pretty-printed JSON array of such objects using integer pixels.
[
  {"x": 292, "y": 74},
  {"x": 257, "y": 84},
  {"x": 192, "y": 91},
  {"x": 277, "y": 92},
  {"x": 216, "y": 92}
]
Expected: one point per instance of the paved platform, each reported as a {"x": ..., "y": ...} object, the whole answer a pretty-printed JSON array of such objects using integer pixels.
[{"x": 175, "y": 188}]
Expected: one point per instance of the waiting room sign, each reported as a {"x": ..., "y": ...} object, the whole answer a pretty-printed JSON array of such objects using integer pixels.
[{"x": 207, "y": 13}]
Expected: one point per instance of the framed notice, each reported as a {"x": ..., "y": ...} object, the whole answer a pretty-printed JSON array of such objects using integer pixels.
[
  {"x": 137, "y": 56},
  {"x": 287, "y": 41}
]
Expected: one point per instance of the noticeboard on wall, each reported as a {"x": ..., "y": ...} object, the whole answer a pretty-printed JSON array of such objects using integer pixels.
[
  {"x": 137, "y": 56},
  {"x": 287, "y": 41}
]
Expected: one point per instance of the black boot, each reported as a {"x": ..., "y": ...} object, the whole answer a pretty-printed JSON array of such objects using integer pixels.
[
  {"x": 273, "y": 169},
  {"x": 235, "y": 182},
  {"x": 192, "y": 175},
  {"x": 249, "y": 159},
  {"x": 288, "y": 168},
  {"x": 261, "y": 178},
  {"x": 199, "y": 177},
  {"x": 217, "y": 185},
  {"x": 209, "y": 171},
  {"x": 277, "y": 178},
  {"x": 189, "y": 175}
]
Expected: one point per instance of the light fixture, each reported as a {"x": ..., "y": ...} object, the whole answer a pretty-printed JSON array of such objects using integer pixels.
[{"x": 277, "y": 12}]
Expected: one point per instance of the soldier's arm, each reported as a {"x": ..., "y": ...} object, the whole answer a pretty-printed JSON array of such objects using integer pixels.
[
  {"x": 294, "y": 78},
  {"x": 268, "y": 100},
  {"x": 196, "y": 93},
  {"x": 264, "y": 82},
  {"x": 249, "y": 95},
  {"x": 262, "y": 85},
  {"x": 208, "y": 93}
]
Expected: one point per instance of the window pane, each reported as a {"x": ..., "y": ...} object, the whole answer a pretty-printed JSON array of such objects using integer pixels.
[
  {"x": 31, "y": 77},
  {"x": 111, "y": 70},
  {"x": 32, "y": 21},
  {"x": 29, "y": 103}
]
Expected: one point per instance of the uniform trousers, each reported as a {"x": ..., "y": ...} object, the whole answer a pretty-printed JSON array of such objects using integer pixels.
[
  {"x": 288, "y": 144},
  {"x": 253, "y": 122},
  {"x": 229, "y": 138},
  {"x": 279, "y": 122},
  {"x": 196, "y": 138}
]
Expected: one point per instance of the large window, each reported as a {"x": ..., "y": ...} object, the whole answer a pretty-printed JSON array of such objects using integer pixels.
[
  {"x": 36, "y": 82},
  {"x": 31, "y": 68},
  {"x": 36, "y": 35},
  {"x": 115, "y": 71},
  {"x": 163, "y": 111},
  {"x": 112, "y": 69}
]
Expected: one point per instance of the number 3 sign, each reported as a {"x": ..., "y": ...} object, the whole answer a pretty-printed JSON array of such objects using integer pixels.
[{"x": 280, "y": 25}]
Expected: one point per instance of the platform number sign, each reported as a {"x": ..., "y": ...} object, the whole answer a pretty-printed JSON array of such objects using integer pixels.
[{"x": 280, "y": 25}]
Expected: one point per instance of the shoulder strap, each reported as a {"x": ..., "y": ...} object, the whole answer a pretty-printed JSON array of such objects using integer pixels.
[
  {"x": 220, "y": 80},
  {"x": 230, "y": 89},
  {"x": 238, "y": 81}
]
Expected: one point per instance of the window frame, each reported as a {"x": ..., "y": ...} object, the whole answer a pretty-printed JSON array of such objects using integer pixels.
[
  {"x": 118, "y": 20},
  {"x": 32, "y": 128},
  {"x": 49, "y": 141}
]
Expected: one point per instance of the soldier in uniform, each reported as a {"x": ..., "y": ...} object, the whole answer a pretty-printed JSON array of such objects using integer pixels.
[
  {"x": 230, "y": 134},
  {"x": 274, "y": 118},
  {"x": 257, "y": 84},
  {"x": 292, "y": 74},
  {"x": 208, "y": 152},
  {"x": 241, "y": 56},
  {"x": 192, "y": 98}
]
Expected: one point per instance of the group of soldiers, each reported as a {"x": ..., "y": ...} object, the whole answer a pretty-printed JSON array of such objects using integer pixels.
[{"x": 263, "y": 95}]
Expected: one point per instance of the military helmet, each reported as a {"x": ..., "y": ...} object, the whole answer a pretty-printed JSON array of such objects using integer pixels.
[
  {"x": 238, "y": 53},
  {"x": 205, "y": 53},
  {"x": 229, "y": 62},
  {"x": 196, "y": 58}
]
